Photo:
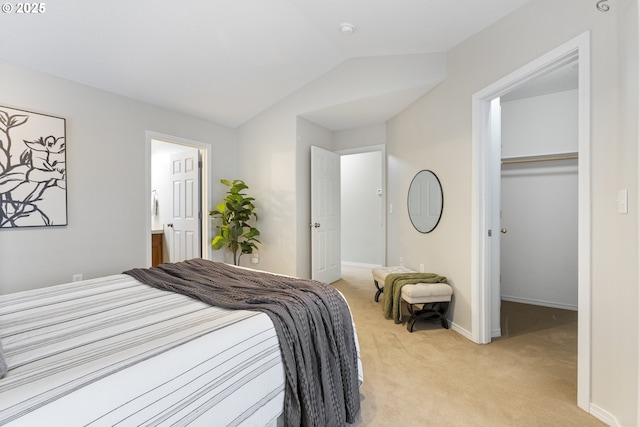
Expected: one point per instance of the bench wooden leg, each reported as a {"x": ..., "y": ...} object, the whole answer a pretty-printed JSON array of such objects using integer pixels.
[
  {"x": 411, "y": 322},
  {"x": 429, "y": 311},
  {"x": 444, "y": 322},
  {"x": 379, "y": 291}
]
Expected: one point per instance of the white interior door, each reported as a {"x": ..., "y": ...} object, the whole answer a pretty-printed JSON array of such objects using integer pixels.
[
  {"x": 325, "y": 215},
  {"x": 185, "y": 181}
]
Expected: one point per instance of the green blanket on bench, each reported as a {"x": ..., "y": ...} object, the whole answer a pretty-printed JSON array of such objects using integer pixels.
[{"x": 393, "y": 283}]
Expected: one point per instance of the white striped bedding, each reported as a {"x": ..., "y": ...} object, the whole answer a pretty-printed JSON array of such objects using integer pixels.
[{"x": 74, "y": 353}]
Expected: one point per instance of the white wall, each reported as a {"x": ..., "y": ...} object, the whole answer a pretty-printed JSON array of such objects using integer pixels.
[
  {"x": 435, "y": 133},
  {"x": 540, "y": 125},
  {"x": 275, "y": 160},
  {"x": 108, "y": 180},
  {"x": 360, "y": 137},
  {"x": 267, "y": 164},
  {"x": 271, "y": 156},
  {"x": 539, "y": 253},
  {"x": 360, "y": 179}
]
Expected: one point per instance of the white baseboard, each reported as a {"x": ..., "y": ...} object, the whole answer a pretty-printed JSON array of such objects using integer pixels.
[
  {"x": 496, "y": 333},
  {"x": 539, "y": 302},
  {"x": 460, "y": 330},
  {"x": 360, "y": 264},
  {"x": 603, "y": 416}
]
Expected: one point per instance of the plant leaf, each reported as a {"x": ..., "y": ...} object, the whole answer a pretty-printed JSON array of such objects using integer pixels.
[
  {"x": 218, "y": 242},
  {"x": 236, "y": 209}
]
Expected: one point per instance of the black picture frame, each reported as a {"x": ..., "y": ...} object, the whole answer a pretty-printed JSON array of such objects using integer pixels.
[{"x": 33, "y": 169}]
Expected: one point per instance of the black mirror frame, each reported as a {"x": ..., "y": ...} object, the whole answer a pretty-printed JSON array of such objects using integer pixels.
[{"x": 441, "y": 198}]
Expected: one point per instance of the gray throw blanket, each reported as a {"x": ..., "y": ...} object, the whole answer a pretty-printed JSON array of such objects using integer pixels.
[{"x": 313, "y": 323}]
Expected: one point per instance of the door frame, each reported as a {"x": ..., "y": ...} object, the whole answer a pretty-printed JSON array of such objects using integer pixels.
[
  {"x": 205, "y": 191},
  {"x": 484, "y": 217}
]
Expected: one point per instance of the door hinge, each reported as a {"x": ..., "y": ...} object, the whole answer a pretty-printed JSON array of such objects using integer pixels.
[{"x": 489, "y": 233}]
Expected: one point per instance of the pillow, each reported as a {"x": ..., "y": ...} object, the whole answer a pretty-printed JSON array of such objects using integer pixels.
[{"x": 3, "y": 363}]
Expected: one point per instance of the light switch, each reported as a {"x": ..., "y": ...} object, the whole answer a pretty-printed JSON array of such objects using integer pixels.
[{"x": 623, "y": 201}]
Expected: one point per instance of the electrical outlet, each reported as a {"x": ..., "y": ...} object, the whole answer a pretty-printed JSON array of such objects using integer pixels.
[
  {"x": 77, "y": 277},
  {"x": 401, "y": 261},
  {"x": 421, "y": 268}
]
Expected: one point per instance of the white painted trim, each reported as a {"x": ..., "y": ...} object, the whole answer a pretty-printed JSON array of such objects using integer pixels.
[
  {"x": 480, "y": 325},
  {"x": 364, "y": 149},
  {"x": 465, "y": 333},
  {"x": 604, "y": 416},
  {"x": 638, "y": 207},
  {"x": 540, "y": 302},
  {"x": 584, "y": 221},
  {"x": 207, "y": 161},
  {"x": 147, "y": 204},
  {"x": 579, "y": 48},
  {"x": 360, "y": 264}
]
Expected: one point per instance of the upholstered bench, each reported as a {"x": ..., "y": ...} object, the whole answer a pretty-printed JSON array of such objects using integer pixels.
[
  {"x": 381, "y": 273},
  {"x": 427, "y": 301},
  {"x": 435, "y": 299}
]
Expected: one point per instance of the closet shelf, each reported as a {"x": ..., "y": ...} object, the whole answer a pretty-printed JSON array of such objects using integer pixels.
[{"x": 543, "y": 158}]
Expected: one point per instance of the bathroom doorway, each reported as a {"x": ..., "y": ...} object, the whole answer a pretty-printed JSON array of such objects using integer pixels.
[{"x": 178, "y": 198}]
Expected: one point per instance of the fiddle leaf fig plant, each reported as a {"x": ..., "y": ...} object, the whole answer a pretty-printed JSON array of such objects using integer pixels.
[{"x": 235, "y": 213}]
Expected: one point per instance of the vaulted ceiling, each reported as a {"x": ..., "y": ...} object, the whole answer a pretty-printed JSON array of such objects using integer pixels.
[{"x": 228, "y": 60}]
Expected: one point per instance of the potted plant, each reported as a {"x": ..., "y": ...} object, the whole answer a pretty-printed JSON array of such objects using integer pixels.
[{"x": 236, "y": 210}]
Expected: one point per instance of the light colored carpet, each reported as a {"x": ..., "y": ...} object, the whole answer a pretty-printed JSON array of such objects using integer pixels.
[{"x": 436, "y": 377}]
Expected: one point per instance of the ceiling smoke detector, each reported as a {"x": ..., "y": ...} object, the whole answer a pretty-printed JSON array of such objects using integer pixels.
[{"x": 347, "y": 28}]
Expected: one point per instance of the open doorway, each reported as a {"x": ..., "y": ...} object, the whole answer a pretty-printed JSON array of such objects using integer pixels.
[
  {"x": 362, "y": 208},
  {"x": 326, "y": 214},
  {"x": 486, "y": 223},
  {"x": 539, "y": 199},
  {"x": 178, "y": 197},
  {"x": 534, "y": 245}
]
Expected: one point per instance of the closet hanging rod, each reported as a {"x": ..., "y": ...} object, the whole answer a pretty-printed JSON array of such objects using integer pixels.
[{"x": 531, "y": 159}]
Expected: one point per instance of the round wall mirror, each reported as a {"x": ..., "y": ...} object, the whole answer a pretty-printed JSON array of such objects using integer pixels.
[{"x": 425, "y": 201}]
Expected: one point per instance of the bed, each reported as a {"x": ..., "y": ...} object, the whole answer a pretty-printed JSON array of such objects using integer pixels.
[{"x": 116, "y": 351}]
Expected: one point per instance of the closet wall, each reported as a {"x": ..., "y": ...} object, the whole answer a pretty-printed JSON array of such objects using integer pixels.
[{"x": 539, "y": 252}]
